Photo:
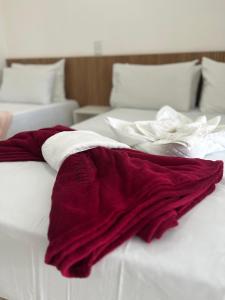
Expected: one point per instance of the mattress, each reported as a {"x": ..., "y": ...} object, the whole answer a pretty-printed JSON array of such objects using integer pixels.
[
  {"x": 187, "y": 263},
  {"x": 34, "y": 116}
]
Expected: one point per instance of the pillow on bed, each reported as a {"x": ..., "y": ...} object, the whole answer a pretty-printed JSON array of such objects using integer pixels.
[
  {"x": 27, "y": 86},
  {"x": 152, "y": 86},
  {"x": 213, "y": 90},
  {"x": 59, "y": 69}
]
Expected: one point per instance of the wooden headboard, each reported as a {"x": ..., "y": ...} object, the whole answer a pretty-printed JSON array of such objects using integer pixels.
[{"x": 89, "y": 79}]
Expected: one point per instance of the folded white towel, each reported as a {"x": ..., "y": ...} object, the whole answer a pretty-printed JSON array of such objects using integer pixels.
[
  {"x": 172, "y": 134},
  {"x": 61, "y": 145}
]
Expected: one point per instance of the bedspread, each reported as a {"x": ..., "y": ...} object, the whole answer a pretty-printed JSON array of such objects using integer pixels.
[{"x": 102, "y": 197}]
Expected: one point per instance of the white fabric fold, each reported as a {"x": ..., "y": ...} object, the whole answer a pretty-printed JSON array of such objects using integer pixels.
[
  {"x": 172, "y": 134},
  {"x": 61, "y": 145}
]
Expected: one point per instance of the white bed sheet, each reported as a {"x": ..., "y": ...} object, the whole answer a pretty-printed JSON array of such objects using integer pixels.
[
  {"x": 188, "y": 263},
  {"x": 34, "y": 116}
]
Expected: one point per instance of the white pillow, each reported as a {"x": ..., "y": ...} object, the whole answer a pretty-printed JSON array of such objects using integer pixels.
[
  {"x": 59, "y": 69},
  {"x": 153, "y": 86},
  {"x": 27, "y": 86},
  {"x": 213, "y": 90}
]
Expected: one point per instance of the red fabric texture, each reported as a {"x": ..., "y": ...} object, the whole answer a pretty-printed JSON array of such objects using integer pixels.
[{"x": 102, "y": 197}]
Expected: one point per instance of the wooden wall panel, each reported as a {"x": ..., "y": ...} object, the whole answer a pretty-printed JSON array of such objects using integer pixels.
[{"x": 89, "y": 79}]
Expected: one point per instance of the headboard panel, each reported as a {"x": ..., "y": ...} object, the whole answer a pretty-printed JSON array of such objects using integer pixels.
[{"x": 89, "y": 79}]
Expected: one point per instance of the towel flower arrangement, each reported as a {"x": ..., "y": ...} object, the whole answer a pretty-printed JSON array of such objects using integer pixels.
[{"x": 172, "y": 134}]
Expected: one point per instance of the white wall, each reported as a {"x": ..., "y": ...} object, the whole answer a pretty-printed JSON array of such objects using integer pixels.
[
  {"x": 70, "y": 27},
  {"x": 2, "y": 32}
]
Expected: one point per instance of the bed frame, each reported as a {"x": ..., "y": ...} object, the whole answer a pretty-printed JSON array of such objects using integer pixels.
[{"x": 89, "y": 79}]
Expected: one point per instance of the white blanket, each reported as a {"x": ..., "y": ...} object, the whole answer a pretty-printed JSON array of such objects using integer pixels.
[
  {"x": 61, "y": 145},
  {"x": 172, "y": 133}
]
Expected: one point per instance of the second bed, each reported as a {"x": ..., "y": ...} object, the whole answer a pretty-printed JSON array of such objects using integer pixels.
[{"x": 34, "y": 116}]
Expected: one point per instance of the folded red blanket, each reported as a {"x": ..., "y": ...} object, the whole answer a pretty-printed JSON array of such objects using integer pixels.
[{"x": 102, "y": 197}]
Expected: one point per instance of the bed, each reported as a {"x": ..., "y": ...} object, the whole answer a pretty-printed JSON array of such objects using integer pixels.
[
  {"x": 33, "y": 96},
  {"x": 34, "y": 116},
  {"x": 188, "y": 263}
]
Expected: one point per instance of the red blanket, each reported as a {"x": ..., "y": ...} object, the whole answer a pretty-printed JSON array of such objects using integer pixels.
[{"x": 102, "y": 197}]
